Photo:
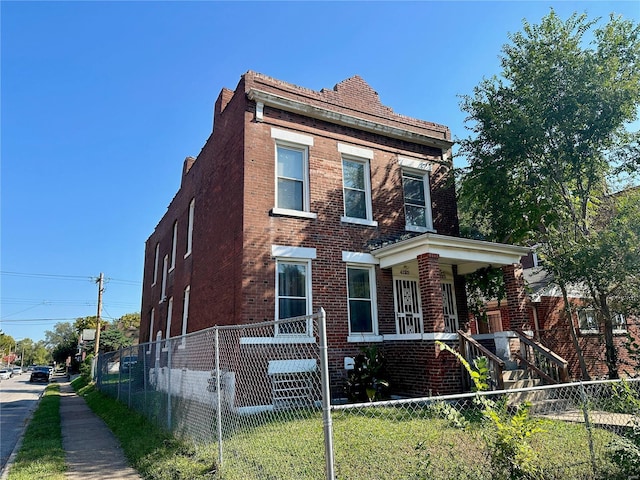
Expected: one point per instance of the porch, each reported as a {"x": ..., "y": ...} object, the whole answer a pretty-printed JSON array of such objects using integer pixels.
[{"x": 430, "y": 304}]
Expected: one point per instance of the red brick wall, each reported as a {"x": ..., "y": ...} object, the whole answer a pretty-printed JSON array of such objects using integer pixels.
[
  {"x": 555, "y": 333},
  {"x": 231, "y": 271}
]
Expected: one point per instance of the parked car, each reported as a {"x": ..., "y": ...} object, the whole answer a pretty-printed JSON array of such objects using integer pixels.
[
  {"x": 126, "y": 363},
  {"x": 17, "y": 370},
  {"x": 5, "y": 374},
  {"x": 40, "y": 374}
]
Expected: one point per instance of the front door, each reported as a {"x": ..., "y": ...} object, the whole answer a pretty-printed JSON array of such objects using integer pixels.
[
  {"x": 407, "y": 305},
  {"x": 449, "y": 307}
]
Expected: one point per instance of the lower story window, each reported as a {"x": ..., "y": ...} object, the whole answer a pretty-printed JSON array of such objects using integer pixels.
[
  {"x": 619, "y": 322},
  {"x": 293, "y": 286},
  {"x": 588, "y": 320},
  {"x": 360, "y": 291}
]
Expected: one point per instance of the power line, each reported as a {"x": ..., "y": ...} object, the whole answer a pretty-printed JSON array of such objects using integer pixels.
[
  {"x": 47, "y": 275},
  {"x": 69, "y": 277}
]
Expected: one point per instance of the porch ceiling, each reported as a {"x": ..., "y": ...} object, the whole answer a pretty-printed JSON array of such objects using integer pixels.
[{"x": 469, "y": 255}]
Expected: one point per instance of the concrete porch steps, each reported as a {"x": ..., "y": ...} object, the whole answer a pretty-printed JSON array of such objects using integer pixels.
[{"x": 540, "y": 400}]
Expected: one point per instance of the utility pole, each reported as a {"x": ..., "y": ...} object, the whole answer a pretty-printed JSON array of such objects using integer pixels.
[{"x": 100, "y": 290}]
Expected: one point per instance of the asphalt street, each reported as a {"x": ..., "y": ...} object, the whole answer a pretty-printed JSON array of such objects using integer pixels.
[{"x": 18, "y": 399}]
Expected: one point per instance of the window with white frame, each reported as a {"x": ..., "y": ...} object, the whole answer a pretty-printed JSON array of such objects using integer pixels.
[
  {"x": 417, "y": 200},
  {"x": 152, "y": 315},
  {"x": 356, "y": 184},
  {"x": 293, "y": 284},
  {"x": 174, "y": 241},
  {"x": 619, "y": 322},
  {"x": 165, "y": 271},
  {"x": 169, "y": 314},
  {"x": 588, "y": 321},
  {"x": 292, "y": 172},
  {"x": 192, "y": 206},
  {"x": 185, "y": 312},
  {"x": 361, "y": 300},
  {"x": 156, "y": 259}
]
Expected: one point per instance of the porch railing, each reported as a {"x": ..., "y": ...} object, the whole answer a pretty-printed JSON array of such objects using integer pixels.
[
  {"x": 541, "y": 361},
  {"x": 470, "y": 349}
]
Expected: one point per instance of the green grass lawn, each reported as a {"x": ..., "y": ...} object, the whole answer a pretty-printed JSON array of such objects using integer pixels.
[
  {"x": 41, "y": 455},
  {"x": 374, "y": 443}
]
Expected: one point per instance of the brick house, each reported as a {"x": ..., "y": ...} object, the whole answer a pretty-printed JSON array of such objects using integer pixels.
[
  {"x": 548, "y": 324},
  {"x": 303, "y": 199}
]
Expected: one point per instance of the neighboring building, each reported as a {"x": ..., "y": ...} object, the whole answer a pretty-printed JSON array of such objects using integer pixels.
[
  {"x": 553, "y": 330},
  {"x": 548, "y": 323},
  {"x": 303, "y": 199}
]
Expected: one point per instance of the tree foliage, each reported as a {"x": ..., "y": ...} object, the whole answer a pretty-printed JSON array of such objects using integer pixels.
[{"x": 548, "y": 137}]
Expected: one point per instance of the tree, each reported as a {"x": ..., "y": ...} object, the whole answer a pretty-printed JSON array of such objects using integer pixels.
[
  {"x": 128, "y": 320},
  {"x": 548, "y": 137},
  {"x": 62, "y": 341},
  {"x": 113, "y": 339}
]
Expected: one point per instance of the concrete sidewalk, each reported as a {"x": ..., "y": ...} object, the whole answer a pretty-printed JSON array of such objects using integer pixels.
[{"x": 92, "y": 451}]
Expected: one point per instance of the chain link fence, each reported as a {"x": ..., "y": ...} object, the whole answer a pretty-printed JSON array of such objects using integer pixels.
[{"x": 257, "y": 397}]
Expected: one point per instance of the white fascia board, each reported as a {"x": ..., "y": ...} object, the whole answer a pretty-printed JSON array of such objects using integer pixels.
[
  {"x": 460, "y": 250},
  {"x": 344, "y": 119}
]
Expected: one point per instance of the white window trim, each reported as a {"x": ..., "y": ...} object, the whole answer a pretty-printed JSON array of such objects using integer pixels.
[
  {"x": 359, "y": 257},
  {"x": 588, "y": 331},
  {"x": 309, "y": 304},
  {"x": 373, "y": 335},
  {"x": 156, "y": 260},
  {"x": 185, "y": 315},
  {"x": 293, "y": 213},
  {"x": 418, "y": 165},
  {"x": 362, "y": 156},
  {"x": 168, "y": 329},
  {"x": 426, "y": 180},
  {"x": 174, "y": 241},
  {"x": 192, "y": 205},
  {"x": 620, "y": 331},
  {"x": 286, "y": 251},
  {"x": 151, "y": 322},
  {"x": 165, "y": 267},
  {"x": 364, "y": 338},
  {"x": 289, "y": 139},
  {"x": 359, "y": 221}
]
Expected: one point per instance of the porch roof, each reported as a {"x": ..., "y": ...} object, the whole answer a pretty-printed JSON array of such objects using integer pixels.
[{"x": 469, "y": 255}]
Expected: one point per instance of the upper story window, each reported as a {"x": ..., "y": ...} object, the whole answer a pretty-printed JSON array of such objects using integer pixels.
[
  {"x": 192, "y": 207},
  {"x": 165, "y": 269},
  {"x": 168, "y": 329},
  {"x": 156, "y": 259},
  {"x": 292, "y": 173},
  {"x": 174, "y": 241},
  {"x": 587, "y": 320},
  {"x": 417, "y": 195},
  {"x": 356, "y": 181}
]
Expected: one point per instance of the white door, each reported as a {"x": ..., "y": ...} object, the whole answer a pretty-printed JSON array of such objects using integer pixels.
[
  {"x": 449, "y": 307},
  {"x": 407, "y": 306}
]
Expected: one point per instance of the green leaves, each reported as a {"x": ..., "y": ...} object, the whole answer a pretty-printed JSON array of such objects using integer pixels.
[{"x": 544, "y": 129}]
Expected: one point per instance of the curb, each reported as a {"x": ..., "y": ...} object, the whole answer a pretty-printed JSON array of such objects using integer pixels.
[{"x": 4, "y": 474}]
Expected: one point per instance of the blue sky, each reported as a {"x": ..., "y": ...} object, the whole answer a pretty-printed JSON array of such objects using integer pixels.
[{"x": 102, "y": 101}]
